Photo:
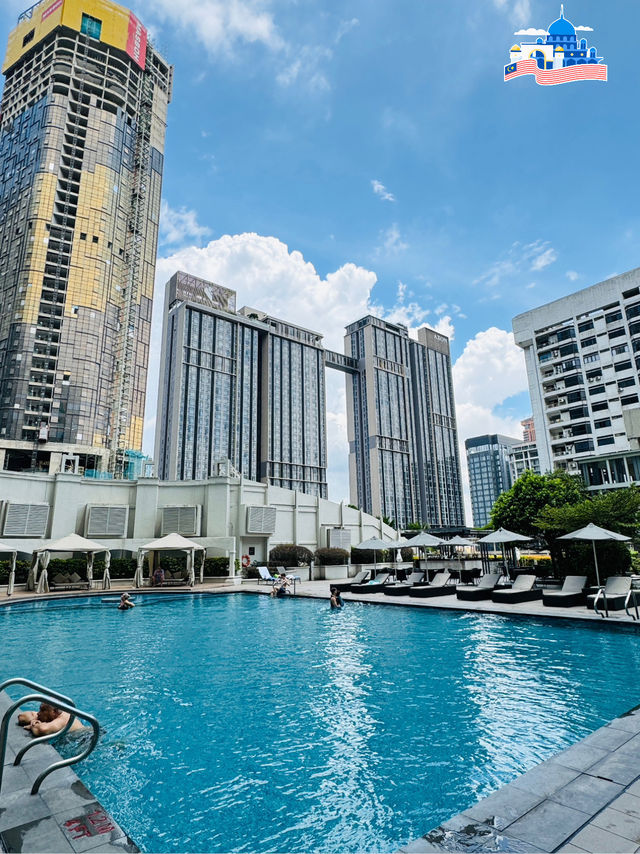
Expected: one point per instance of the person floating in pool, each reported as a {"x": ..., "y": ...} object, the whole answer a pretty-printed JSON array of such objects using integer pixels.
[
  {"x": 336, "y": 598},
  {"x": 125, "y": 603},
  {"x": 48, "y": 719}
]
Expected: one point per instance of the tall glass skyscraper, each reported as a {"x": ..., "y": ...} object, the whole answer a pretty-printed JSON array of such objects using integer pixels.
[
  {"x": 239, "y": 386},
  {"x": 403, "y": 449},
  {"x": 82, "y": 127},
  {"x": 490, "y": 474}
]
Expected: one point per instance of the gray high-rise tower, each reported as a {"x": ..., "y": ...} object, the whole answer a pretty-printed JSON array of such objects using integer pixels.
[{"x": 403, "y": 448}]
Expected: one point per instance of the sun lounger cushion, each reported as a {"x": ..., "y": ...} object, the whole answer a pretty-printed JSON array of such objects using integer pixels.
[{"x": 522, "y": 591}]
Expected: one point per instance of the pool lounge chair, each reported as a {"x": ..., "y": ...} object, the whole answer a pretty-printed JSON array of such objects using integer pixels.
[
  {"x": 438, "y": 587},
  {"x": 345, "y": 586},
  {"x": 573, "y": 593},
  {"x": 616, "y": 595},
  {"x": 266, "y": 576},
  {"x": 404, "y": 588},
  {"x": 482, "y": 590},
  {"x": 522, "y": 591},
  {"x": 375, "y": 586}
]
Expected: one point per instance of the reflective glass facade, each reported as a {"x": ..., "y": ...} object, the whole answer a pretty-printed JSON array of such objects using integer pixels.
[
  {"x": 82, "y": 128},
  {"x": 488, "y": 461},
  {"x": 239, "y": 386},
  {"x": 403, "y": 456}
]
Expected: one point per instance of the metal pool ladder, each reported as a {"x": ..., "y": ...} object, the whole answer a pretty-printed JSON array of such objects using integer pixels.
[{"x": 44, "y": 695}]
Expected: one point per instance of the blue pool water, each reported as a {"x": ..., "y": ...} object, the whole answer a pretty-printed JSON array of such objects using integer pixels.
[{"x": 245, "y": 724}]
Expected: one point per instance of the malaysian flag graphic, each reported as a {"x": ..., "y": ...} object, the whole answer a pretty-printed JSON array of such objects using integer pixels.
[{"x": 554, "y": 76}]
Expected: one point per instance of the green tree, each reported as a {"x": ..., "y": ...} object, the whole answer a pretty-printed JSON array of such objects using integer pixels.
[
  {"x": 617, "y": 510},
  {"x": 417, "y": 526},
  {"x": 519, "y": 507}
]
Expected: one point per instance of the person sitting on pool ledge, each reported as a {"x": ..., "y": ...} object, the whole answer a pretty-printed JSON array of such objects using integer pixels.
[
  {"x": 125, "y": 603},
  {"x": 48, "y": 719},
  {"x": 281, "y": 586}
]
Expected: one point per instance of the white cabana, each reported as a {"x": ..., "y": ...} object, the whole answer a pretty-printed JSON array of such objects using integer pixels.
[
  {"x": 172, "y": 543},
  {"x": 70, "y": 543},
  {"x": 7, "y": 550}
]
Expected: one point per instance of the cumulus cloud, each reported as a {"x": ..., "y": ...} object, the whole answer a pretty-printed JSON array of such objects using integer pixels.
[
  {"x": 585, "y": 29},
  {"x": 531, "y": 31},
  {"x": 572, "y": 275},
  {"x": 220, "y": 25},
  {"x": 179, "y": 226},
  {"x": 490, "y": 370},
  {"x": 380, "y": 190}
]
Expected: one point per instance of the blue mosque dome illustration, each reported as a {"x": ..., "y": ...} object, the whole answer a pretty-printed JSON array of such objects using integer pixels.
[
  {"x": 560, "y": 48},
  {"x": 562, "y": 27}
]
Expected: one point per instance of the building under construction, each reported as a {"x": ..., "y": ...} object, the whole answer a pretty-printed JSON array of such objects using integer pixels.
[{"x": 82, "y": 128}]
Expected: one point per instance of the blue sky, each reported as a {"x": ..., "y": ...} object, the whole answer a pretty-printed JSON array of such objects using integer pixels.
[{"x": 326, "y": 159}]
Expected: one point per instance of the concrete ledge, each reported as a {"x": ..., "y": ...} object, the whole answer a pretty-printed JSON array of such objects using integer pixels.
[
  {"x": 63, "y": 817},
  {"x": 584, "y": 799}
]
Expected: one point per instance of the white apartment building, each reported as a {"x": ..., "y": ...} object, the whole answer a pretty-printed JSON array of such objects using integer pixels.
[{"x": 582, "y": 354}]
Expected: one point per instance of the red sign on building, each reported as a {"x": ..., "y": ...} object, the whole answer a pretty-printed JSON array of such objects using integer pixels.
[{"x": 137, "y": 41}]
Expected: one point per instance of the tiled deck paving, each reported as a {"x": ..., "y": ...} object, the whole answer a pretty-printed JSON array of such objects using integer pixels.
[
  {"x": 63, "y": 817},
  {"x": 585, "y": 799}
]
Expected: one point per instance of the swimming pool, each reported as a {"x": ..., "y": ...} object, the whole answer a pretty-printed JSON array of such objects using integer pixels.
[{"x": 237, "y": 723}]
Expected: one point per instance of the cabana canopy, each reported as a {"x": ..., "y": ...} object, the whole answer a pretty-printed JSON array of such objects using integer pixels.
[
  {"x": 170, "y": 543},
  {"x": 70, "y": 543},
  {"x": 73, "y": 543}
]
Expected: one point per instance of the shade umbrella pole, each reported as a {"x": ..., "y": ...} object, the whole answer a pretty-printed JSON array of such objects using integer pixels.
[{"x": 595, "y": 560}]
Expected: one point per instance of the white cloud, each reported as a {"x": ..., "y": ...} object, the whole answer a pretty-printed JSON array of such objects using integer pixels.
[
  {"x": 490, "y": 370},
  {"x": 519, "y": 11},
  {"x": 380, "y": 190},
  {"x": 543, "y": 259},
  {"x": 178, "y": 226},
  {"x": 220, "y": 25},
  {"x": 572, "y": 275},
  {"x": 519, "y": 258},
  {"x": 585, "y": 29},
  {"x": 306, "y": 68},
  {"x": 531, "y": 31},
  {"x": 445, "y": 327},
  {"x": 391, "y": 241},
  {"x": 344, "y": 28}
]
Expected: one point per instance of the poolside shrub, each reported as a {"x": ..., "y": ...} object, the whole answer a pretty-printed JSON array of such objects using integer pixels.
[
  {"x": 288, "y": 554},
  {"x": 331, "y": 557},
  {"x": 251, "y": 571},
  {"x": 369, "y": 556}
]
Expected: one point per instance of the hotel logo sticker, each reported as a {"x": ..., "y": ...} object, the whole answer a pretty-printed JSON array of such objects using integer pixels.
[{"x": 560, "y": 54}]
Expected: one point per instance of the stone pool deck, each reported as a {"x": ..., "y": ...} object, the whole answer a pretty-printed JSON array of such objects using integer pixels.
[
  {"x": 585, "y": 799},
  {"x": 63, "y": 817}
]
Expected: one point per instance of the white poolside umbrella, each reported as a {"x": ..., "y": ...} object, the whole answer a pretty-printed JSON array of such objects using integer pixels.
[
  {"x": 460, "y": 541},
  {"x": 502, "y": 536},
  {"x": 425, "y": 540},
  {"x": 593, "y": 532},
  {"x": 106, "y": 576},
  {"x": 375, "y": 545}
]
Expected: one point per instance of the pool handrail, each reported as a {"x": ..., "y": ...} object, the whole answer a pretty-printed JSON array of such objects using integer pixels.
[
  {"x": 18, "y": 680},
  {"x": 72, "y": 710}
]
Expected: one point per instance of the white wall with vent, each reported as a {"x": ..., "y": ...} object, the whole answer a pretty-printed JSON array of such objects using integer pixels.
[{"x": 228, "y": 515}]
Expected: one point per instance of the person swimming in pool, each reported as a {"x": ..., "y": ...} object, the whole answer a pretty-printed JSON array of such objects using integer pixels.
[
  {"x": 125, "y": 603},
  {"x": 48, "y": 719},
  {"x": 336, "y": 598}
]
